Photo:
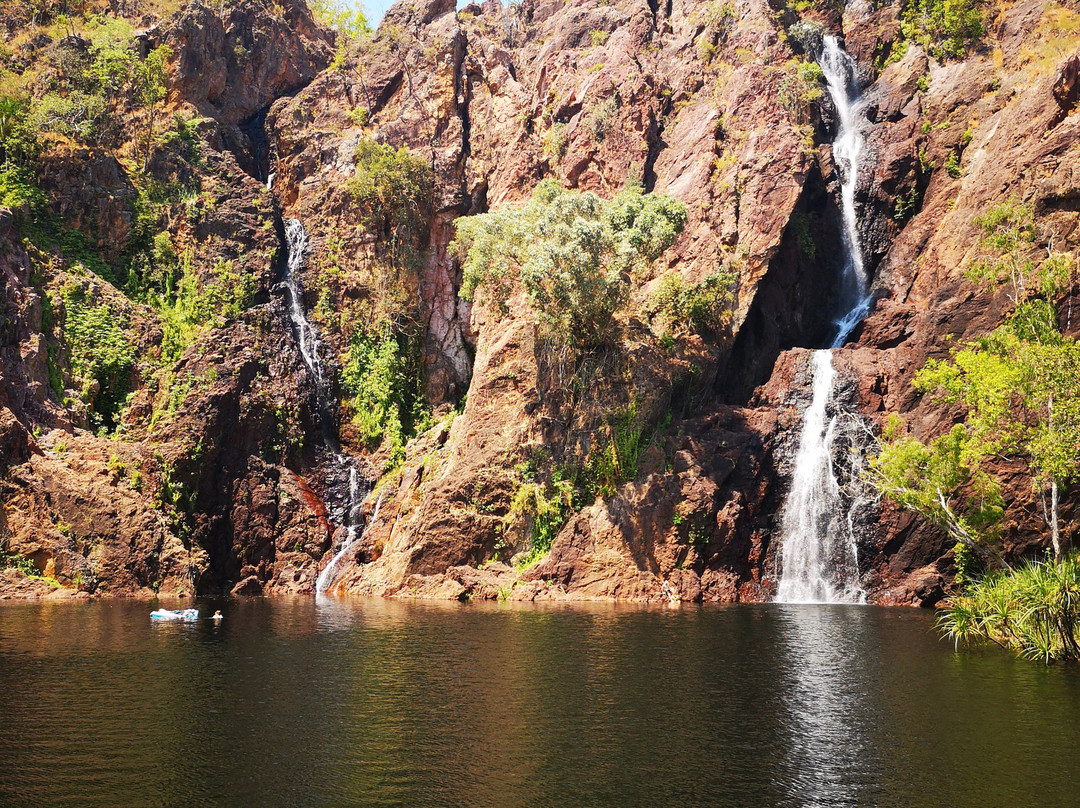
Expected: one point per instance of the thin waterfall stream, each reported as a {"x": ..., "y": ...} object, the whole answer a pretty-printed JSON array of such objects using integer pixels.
[
  {"x": 819, "y": 557},
  {"x": 307, "y": 338}
]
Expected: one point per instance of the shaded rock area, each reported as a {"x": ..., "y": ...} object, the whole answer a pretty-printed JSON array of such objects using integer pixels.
[{"x": 218, "y": 479}]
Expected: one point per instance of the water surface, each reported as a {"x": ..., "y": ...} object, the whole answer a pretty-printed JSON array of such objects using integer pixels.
[{"x": 379, "y": 703}]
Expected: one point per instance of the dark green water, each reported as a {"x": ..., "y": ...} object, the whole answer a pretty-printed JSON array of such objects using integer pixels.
[{"x": 372, "y": 703}]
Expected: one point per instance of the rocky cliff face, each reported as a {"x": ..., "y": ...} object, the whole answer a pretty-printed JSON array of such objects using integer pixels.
[{"x": 700, "y": 101}]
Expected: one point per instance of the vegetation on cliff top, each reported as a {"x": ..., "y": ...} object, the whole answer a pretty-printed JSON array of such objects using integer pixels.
[
  {"x": 946, "y": 29},
  {"x": 81, "y": 81},
  {"x": 575, "y": 260},
  {"x": 382, "y": 369}
]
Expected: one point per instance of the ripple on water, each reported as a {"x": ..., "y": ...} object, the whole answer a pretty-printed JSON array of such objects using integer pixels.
[{"x": 289, "y": 702}]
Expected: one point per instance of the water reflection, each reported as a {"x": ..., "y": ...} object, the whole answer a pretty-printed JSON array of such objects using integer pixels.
[
  {"x": 825, "y": 700},
  {"x": 351, "y": 702}
]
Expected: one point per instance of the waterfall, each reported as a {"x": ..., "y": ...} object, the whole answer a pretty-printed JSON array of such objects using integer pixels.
[
  {"x": 307, "y": 338},
  {"x": 296, "y": 239},
  {"x": 819, "y": 557},
  {"x": 839, "y": 70},
  {"x": 328, "y": 575}
]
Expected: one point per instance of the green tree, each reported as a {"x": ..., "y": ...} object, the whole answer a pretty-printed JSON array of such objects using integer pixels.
[
  {"x": 391, "y": 188},
  {"x": 1017, "y": 386},
  {"x": 18, "y": 150},
  {"x": 151, "y": 75},
  {"x": 347, "y": 19},
  {"x": 944, "y": 28},
  {"x": 573, "y": 253},
  {"x": 930, "y": 478},
  {"x": 382, "y": 375}
]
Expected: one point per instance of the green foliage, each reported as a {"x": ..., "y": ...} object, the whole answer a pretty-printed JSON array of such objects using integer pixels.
[
  {"x": 546, "y": 506},
  {"x": 1020, "y": 390},
  {"x": 18, "y": 143},
  {"x": 927, "y": 478},
  {"x": 360, "y": 117},
  {"x": 614, "y": 461},
  {"x": 545, "y": 509},
  {"x": 392, "y": 188},
  {"x": 116, "y": 467},
  {"x": 150, "y": 76},
  {"x": 952, "y": 165},
  {"x": 18, "y": 150},
  {"x": 184, "y": 138},
  {"x": 555, "y": 142},
  {"x": 19, "y": 190},
  {"x": 598, "y": 37},
  {"x": 572, "y": 252},
  {"x": 1033, "y": 610},
  {"x": 907, "y": 203},
  {"x": 599, "y": 117},
  {"x": 705, "y": 305},
  {"x": 101, "y": 353},
  {"x": 346, "y": 19},
  {"x": 801, "y": 85},
  {"x": 808, "y": 34},
  {"x": 799, "y": 227},
  {"x": 716, "y": 19},
  {"x": 384, "y": 380},
  {"x": 946, "y": 29},
  {"x": 191, "y": 306},
  {"x": 19, "y": 562},
  {"x": 1008, "y": 228},
  {"x": 926, "y": 165},
  {"x": 965, "y": 563},
  {"x": 1017, "y": 386}
]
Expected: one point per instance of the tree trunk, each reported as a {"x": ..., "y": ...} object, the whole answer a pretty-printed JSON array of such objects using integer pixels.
[
  {"x": 1055, "y": 533},
  {"x": 149, "y": 140}
]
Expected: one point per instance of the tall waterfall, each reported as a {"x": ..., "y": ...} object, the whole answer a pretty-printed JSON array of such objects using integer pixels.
[
  {"x": 308, "y": 339},
  {"x": 819, "y": 557}
]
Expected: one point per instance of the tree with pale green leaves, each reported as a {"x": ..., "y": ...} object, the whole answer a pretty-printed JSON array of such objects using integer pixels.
[
  {"x": 929, "y": 477},
  {"x": 573, "y": 254},
  {"x": 1017, "y": 385}
]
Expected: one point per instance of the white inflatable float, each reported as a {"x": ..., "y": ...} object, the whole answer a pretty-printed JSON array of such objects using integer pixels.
[{"x": 175, "y": 614}]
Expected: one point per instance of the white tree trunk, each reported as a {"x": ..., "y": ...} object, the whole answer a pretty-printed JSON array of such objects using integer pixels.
[{"x": 1055, "y": 533}]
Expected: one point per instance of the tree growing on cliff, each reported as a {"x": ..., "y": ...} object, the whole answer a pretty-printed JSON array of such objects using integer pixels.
[
  {"x": 573, "y": 253},
  {"x": 932, "y": 478},
  {"x": 346, "y": 19},
  {"x": 1016, "y": 385},
  {"x": 151, "y": 74},
  {"x": 944, "y": 28}
]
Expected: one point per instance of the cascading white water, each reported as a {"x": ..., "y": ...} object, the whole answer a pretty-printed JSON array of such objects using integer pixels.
[
  {"x": 329, "y": 573},
  {"x": 819, "y": 557},
  {"x": 839, "y": 71},
  {"x": 296, "y": 239},
  {"x": 308, "y": 339}
]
